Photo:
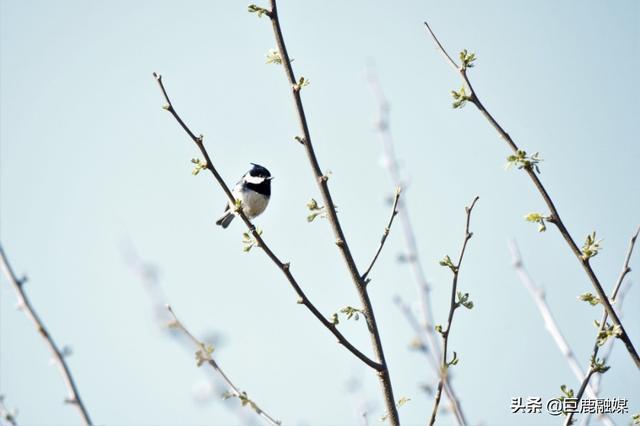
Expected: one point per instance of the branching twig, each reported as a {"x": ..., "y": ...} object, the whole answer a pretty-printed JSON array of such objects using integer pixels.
[
  {"x": 452, "y": 307},
  {"x": 385, "y": 234},
  {"x": 203, "y": 354},
  {"x": 321, "y": 179},
  {"x": 554, "y": 218},
  {"x": 595, "y": 366},
  {"x": 284, "y": 267},
  {"x": 538, "y": 296},
  {"x": 25, "y": 305},
  {"x": 413, "y": 258}
]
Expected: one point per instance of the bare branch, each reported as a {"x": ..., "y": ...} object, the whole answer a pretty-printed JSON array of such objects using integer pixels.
[
  {"x": 625, "y": 268},
  {"x": 452, "y": 307},
  {"x": 284, "y": 267},
  {"x": 537, "y": 294},
  {"x": 593, "y": 367},
  {"x": 385, "y": 234},
  {"x": 203, "y": 354},
  {"x": 25, "y": 305},
  {"x": 341, "y": 242},
  {"x": 441, "y": 49},
  {"x": 555, "y": 216}
]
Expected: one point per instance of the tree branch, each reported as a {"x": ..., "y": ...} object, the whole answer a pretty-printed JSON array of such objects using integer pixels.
[
  {"x": 25, "y": 305},
  {"x": 555, "y": 216},
  {"x": 385, "y": 234},
  {"x": 321, "y": 180},
  {"x": 382, "y": 126},
  {"x": 284, "y": 267},
  {"x": 452, "y": 307},
  {"x": 432, "y": 357},
  {"x": 606, "y": 350},
  {"x": 538, "y": 296},
  {"x": 593, "y": 367},
  {"x": 6, "y": 414},
  {"x": 203, "y": 354}
]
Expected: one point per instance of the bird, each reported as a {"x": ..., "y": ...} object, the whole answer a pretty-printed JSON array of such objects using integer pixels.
[{"x": 253, "y": 190}]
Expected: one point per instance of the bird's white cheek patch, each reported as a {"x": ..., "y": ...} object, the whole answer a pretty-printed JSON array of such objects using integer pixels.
[{"x": 254, "y": 179}]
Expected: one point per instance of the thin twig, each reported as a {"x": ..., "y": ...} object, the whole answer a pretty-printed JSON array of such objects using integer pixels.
[
  {"x": 25, "y": 305},
  {"x": 321, "y": 180},
  {"x": 555, "y": 216},
  {"x": 204, "y": 355},
  {"x": 452, "y": 307},
  {"x": 432, "y": 357},
  {"x": 284, "y": 267},
  {"x": 412, "y": 257},
  {"x": 596, "y": 347},
  {"x": 385, "y": 234},
  {"x": 538, "y": 296},
  {"x": 625, "y": 269}
]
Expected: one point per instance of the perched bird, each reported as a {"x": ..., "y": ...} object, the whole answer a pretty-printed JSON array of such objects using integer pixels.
[{"x": 253, "y": 190}]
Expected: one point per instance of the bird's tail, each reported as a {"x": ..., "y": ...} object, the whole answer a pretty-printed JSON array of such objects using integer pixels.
[{"x": 225, "y": 220}]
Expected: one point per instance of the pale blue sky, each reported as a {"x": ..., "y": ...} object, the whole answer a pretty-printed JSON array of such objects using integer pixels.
[{"x": 89, "y": 160}]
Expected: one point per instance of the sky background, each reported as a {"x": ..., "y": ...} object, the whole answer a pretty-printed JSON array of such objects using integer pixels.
[{"x": 91, "y": 166}]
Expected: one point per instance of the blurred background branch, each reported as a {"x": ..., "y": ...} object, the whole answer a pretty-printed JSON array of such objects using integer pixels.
[
  {"x": 538, "y": 295},
  {"x": 434, "y": 362},
  {"x": 149, "y": 275},
  {"x": 425, "y": 327},
  {"x": 204, "y": 355}
]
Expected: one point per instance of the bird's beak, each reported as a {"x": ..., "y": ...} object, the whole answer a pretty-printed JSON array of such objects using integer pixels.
[{"x": 270, "y": 177}]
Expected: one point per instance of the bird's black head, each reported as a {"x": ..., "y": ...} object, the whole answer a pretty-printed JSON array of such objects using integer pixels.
[
  {"x": 258, "y": 171},
  {"x": 258, "y": 179}
]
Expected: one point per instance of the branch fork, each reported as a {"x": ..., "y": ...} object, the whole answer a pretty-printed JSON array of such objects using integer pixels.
[
  {"x": 258, "y": 238},
  {"x": 332, "y": 215}
]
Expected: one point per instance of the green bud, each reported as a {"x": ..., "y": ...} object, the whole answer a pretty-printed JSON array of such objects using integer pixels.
[
  {"x": 252, "y": 8},
  {"x": 590, "y": 298},
  {"x": 446, "y": 261}
]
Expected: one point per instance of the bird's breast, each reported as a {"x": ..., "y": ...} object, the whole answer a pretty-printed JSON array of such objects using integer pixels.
[{"x": 253, "y": 203}]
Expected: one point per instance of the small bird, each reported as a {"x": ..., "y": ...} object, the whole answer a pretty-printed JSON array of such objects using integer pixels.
[{"x": 253, "y": 190}]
